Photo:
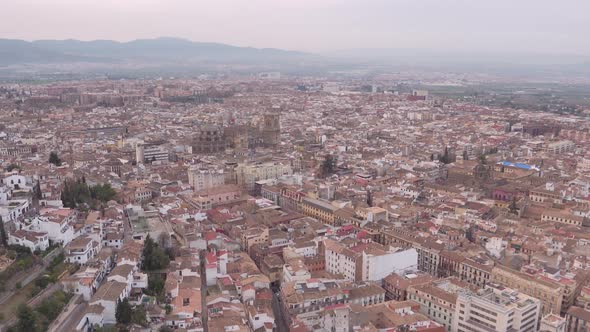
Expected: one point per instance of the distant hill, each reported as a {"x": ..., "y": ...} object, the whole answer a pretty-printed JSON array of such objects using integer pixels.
[{"x": 160, "y": 49}]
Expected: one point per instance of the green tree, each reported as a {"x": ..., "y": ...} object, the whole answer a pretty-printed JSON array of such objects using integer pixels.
[
  {"x": 155, "y": 284},
  {"x": 26, "y": 319},
  {"x": 54, "y": 158},
  {"x": 138, "y": 316},
  {"x": 37, "y": 190},
  {"x": 12, "y": 167},
  {"x": 3, "y": 235},
  {"x": 513, "y": 208},
  {"x": 445, "y": 158},
  {"x": 123, "y": 312},
  {"x": 154, "y": 257},
  {"x": 328, "y": 166}
]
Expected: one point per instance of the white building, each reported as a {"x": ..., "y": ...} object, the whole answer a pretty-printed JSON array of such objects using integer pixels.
[
  {"x": 57, "y": 224},
  {"x": 496, "y": 308},
  {"x": 30, "y": 239},
  {"x": 147, "y": 153},
  {"x": 81, "y": 250},
  {"x": 368, "y": 261},
  {"x": 377, "y": 266},
  {"x": 107, "y": 296}
]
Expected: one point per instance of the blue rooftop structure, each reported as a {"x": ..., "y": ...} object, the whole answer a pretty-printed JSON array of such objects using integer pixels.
[{"x": 519, "y": 165}]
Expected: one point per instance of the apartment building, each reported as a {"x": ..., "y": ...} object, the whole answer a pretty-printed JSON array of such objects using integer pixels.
[
  {"x": 438, "y": 299},
  {"x": 367, "y": 261},
  {"x": 202, "y": 178},
  {"x": 550, "y": 293},
  {"x": 496, "y": 308},
  {"x": 248, "y": 174}
]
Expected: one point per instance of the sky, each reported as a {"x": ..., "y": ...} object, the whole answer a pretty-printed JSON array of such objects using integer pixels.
[{"x": 499, "y": 26}]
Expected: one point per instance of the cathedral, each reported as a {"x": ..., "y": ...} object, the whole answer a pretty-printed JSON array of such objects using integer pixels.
[{"x": 213, "y": 138}]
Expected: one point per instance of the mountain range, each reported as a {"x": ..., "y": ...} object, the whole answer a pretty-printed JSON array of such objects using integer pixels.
[{"x": 15, "y": 52}]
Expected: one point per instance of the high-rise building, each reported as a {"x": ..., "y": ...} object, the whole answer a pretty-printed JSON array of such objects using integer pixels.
[{"x": 496, "y": 308}]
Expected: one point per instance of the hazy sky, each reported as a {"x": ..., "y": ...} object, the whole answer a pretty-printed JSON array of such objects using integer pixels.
[{"x": 543, "y": 26}]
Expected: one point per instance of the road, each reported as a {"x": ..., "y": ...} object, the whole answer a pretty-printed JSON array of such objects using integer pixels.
[
  {"x": 26, "y": 277},
  {"x": 276, "y": 308},
  {"x": 33, "y": 303},
  {"x": 204, "y": 317},
  {"x": 70, "y": 316}
]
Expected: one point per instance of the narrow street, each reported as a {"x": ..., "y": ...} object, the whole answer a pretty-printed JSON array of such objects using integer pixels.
[
  {"x": 202, "y": 254},
  {"x": 276, "y": 308}
]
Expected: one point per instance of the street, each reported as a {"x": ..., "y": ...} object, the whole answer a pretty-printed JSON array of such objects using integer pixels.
[{"x": 276, "y": 308}]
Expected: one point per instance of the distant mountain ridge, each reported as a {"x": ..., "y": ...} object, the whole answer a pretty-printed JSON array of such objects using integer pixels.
[{"x": 14, "y": 52}]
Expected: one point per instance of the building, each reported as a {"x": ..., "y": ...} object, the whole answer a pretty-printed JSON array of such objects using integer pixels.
[
  {"x": 209, "y": 139},
  {"x": 202, "y": 178},
  {"x": 57, "y": 224},
  {"x": 560, "y": 147},
  {"x": 271, "y": 131},
  {"x": 304, "y": 300},
  {"x": 367, "y": 261},
  {"x": 396, "y": 285},
  {"x": 553, "y": 323},
  {"x": 207, "y": 199},
  {"x": 35, "y": 241},
  {"x": 248, "y": 174},
  {"x": 438, "y": 299},
  {"x": 81, "y": 250},
  {"x": 577, "y": 320},
  {"x": 550, "y": 293},
  {"x": 496, "y": 308},
  {"x": 150, "y": 152},
  {"x": 322, "y": 210}
]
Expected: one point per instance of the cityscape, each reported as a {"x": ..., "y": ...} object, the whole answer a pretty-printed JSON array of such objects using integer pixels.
[{"x": 163, "y": 184}]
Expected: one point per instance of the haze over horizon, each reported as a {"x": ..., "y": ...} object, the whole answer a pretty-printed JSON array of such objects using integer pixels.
[{"x": 500, "y": 26}]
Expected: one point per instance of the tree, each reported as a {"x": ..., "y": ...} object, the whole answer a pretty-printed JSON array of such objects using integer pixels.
[
  {"x": 26, "y": 319},
  {"x": 3, "y": 235},
  {"x": 12, "y": 167},
  {"x": 37, "y": 190},
  {"x": 470, "y": 234},
  {"x": 513, "y": 208},
  {"x": 155, "y": 284},
  {"x": 54, "y": 158},
  {"x": 154, "y": 257},
  {"x": 138, "y": 316},
  {"x": 482, "y": 159},
  {"x": 445, "y": 158},
  {"x": 124, "y": 312},
  {"x": 328, "y": 167}
]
